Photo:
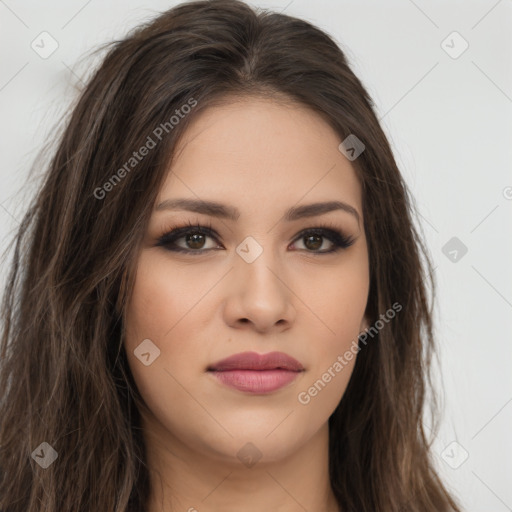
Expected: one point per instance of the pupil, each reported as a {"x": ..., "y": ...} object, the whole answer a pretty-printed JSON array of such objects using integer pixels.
[
  {"x": 193, "y": 240},
  {"x": 312, "y": 237}
]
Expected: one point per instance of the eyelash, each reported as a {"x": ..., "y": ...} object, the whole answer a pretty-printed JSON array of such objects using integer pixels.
[{"x": 167, "y": 240}]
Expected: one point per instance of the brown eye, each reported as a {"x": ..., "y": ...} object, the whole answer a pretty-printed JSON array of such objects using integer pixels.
[
  {"x": 194, "y": 241},
  {"x": 313, "y": 242},
  {"x": 313, "y": 239},
  {"x": 188, "y": 239}
]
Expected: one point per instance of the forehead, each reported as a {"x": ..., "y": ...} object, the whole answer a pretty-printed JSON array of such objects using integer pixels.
[{"x": 261, "y": 155}]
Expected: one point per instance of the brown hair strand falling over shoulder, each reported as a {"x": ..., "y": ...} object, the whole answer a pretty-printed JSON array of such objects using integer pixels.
[{"x": 64, "y": 376}]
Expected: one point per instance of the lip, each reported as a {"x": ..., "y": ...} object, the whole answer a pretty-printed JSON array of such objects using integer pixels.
[{"x": 257, "y": 373}]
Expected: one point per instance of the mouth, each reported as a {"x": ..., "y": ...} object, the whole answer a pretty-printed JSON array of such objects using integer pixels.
[{"x": 254, "y": 373}]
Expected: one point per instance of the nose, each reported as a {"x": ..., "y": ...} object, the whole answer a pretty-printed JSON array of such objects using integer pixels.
[{"x": 258, "y": 296}]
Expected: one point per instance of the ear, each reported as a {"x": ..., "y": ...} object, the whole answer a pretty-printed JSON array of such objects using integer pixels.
[{"x": 365, "y": 324}]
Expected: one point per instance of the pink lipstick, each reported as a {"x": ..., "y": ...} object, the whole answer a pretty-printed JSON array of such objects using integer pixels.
[{"x": 255, "y": 373}]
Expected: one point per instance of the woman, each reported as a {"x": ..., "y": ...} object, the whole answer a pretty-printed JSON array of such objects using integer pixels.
[{"x": 217, "y": 299}]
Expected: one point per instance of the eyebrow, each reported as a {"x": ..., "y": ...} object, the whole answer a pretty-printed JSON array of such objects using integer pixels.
[{"x": 215, "y": 209}]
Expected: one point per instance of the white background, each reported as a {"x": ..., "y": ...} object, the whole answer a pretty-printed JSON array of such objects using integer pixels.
[{"x": 449, "y": 123}]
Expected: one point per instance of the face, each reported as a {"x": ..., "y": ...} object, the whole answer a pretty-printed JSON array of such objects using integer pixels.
[{"x": 266, "y": 276}]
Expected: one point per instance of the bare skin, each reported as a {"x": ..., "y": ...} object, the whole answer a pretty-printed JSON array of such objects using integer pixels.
[{"x": 263, "y": 158}]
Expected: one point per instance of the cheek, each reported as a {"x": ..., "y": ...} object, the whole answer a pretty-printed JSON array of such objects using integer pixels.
[
  {"x": 161, "y": 310},
  {"x": 163, "y": 301},
  {"x": 336, "y": 306},
  {"x": 335, "y": 300},
  {"x": 157, "y": 309}
]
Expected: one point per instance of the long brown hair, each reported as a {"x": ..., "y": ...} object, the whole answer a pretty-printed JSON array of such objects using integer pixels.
[{"x": 64, "y": 378}]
